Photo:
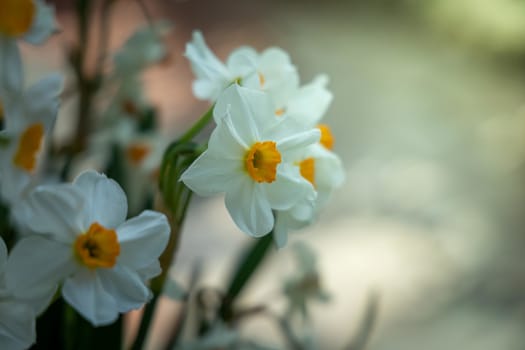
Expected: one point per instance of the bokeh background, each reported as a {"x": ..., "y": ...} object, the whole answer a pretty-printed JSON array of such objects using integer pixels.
[{"x": 429, "y": 119}]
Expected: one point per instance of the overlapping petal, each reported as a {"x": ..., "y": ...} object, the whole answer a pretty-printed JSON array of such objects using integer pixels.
[
  {"x": 249, "y": 208},
  {"x": 43, "y": 24},
  {"x": 142, "y": 239},
  {"x": 104, "y": 200},
  {"x": 17, "y": 325},
  {"x": 288, "y": 181},
  {"x": 37, "y": 264},
  {"x": 125, "y": 286},
  {"x": 85, "y": 292},
  {"x": 11, "y": 74}
]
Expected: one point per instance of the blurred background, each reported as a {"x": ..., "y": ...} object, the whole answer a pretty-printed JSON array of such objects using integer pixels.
[{"x": 429, "y": 119}]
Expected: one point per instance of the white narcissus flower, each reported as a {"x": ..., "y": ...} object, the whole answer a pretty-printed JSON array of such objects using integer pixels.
[
  {"x": 84, "y": 241},
  {"x": 309, "y": 103},
  {"x": 30, "y": 20},
  {"x": 270, "y": 71},
  {"x": 324, "y": 170},
  {"x": 17, "y": 323},
  {"x": 248, "y": 159},
  {"x": 143, "y": 48},
  {"x": 28, "y": 119}
]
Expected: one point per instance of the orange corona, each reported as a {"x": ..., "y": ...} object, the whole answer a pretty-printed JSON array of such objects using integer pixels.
[
  {"x": 261, "y": 161},
  {"x": 98, "y": 247}
]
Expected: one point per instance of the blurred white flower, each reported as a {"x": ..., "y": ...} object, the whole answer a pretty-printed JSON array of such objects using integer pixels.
[
  {"x": 85, "y": 242},
  {"x": 30, "y": 20},
  {"x": 270, "y": 71},
  {"x": 28, "y": 119},
  {"x": 17, "y": 324},
  {"x": 305, "y": 284},
  {"x": 309, "y": 103},
  {"x": 142, "y": 49},
  {"x": 249, "y": 158}
]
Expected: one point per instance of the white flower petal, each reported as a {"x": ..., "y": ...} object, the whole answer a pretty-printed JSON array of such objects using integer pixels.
[
  {"x": 310, "y": 102},
  {"x": 249, "y": 208},
  {"x": 241, "y": 105},
  {"x": 242, "y": 61},
  {"x": 225, "y": 143},
  {"x": 281, "y": 79},
  {"x": 208, "y": 175},
  {"x": 36, "y": 265},
  {"x": 297, "y": 141},
  {"x": 84, "y": 291},
  {"x": 280, "y": 230},
  {"x": 141, "y": 49},
  {"x": 105, "y": 201},
  {"x": 43, "y": 24},
  {"x": 126, "y": 287},
  {"x": 55, "y": 211},
  {"x": 11, "y": 76},
  {"x": 142, "y": 239},
  {"x": 210, "y": 71},
  {"x": 148, "y": 272},
  {"x": 41, "y": 100},
  {"x": 17, "y": 325},
  {"x": 288, "y": 188}
]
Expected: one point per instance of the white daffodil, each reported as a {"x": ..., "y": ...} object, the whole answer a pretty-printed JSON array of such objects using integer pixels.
[
  {"x": 142, "y": 49},
  {"x": 309, "y": 103},
  {"x": 18, "y": 311},
  {"x": 248, "y": 159},
  {"x": 270, "y": 71},
  {"x": 324, "y": 170},
  {"x": 17, "y": 323},
  {"x": 30, "y": 20},
  {"x": 29, "y": 117},
  {"x": 84, "y": 242}
]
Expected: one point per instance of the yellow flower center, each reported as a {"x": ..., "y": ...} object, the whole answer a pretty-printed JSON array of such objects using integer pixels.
[
  {"x": 307, "y": 169},
  {"x": 98, "y": 247},
  {"x": 261, "y": 161},
  {"x": 327, "y": 138},
  {"x": 16, "y": 16},
  {"x": 279, "y": 112},
  {"x": 262, "y": 80},
  {"x": 28, "y": 147},
  {"x": 136, "y": 152}
]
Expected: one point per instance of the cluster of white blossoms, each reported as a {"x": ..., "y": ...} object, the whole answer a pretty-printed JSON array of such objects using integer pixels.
[
  {"x": 269, "y": 153},
  {"x": 73, "y": 237}
]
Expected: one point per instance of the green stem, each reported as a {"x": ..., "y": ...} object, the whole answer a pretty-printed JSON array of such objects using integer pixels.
[{"x": 245, "y": 270}]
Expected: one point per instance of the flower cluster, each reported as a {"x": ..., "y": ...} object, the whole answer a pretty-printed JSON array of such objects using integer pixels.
[
  {"x": 269, "y": 153},
  {"x": 73, "y": 237},
  {"x": 72, "y": 233}
]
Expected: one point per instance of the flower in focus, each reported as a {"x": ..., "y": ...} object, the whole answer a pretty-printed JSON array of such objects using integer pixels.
[
  {"x": 270, "y": 71},
  {"x": 248, "y": 158},
  {"x": 29, "y": 117},
  {"x": 84, "y": 241},
  {"x": 324, "y": 170},
  {"x": 30, "y": 20},
  {"x": 309, "y": 103}
]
